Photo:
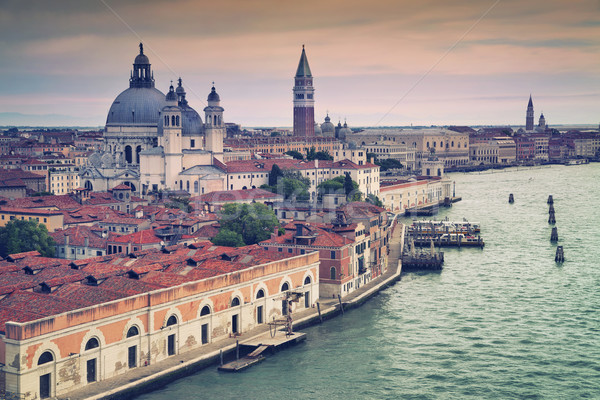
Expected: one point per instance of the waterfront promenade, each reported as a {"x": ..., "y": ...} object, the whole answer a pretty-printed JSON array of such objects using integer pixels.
[{"x": 153, "y": 377}]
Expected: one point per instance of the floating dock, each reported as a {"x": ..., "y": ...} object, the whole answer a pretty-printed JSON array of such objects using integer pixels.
[{"x": 261, "y": 344}]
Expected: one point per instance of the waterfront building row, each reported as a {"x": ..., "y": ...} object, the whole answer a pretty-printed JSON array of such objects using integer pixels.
[{"x": 69, "y": 325}]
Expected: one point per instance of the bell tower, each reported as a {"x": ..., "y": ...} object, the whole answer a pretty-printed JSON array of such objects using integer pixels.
[
  {"x": 304, "y": 102},
  {"x": 214, "y": 127},
  {"x": 172, "y": 138},
  {"x": 529, "y": 117}
]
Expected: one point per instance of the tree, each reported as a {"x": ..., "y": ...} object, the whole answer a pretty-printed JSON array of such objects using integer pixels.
[
  {"x": 291, "y": 185},
  {"x": 19, "y": 236},
  {"x": 348, "y": 184},
  {"x": 371, "y": 198},
  {"x": 296, "y": 154},
  {"x": 340, "y": 185},
  {"x": 310, "y": 153},
  {"x": 323, "y": 155},
  {"x": 225, "y": 237},
  {"x": 388, "y": 163},
  {"x": 274, "y": 175},
  {"x": 253, "y": 222}
]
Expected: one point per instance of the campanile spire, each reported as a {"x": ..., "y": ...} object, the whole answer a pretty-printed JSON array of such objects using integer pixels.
[{"x": 304, "y": 102}]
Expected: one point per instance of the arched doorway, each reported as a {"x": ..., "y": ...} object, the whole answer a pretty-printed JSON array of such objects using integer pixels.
[
  {"x": 205, "y": 325},
  {"x": 46, "y": 360},
  {"x": 235, "y": 317}
]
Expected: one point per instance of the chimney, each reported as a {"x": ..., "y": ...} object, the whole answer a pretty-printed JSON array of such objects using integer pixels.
[
  {"x": 66, "y": 240},
  {"x": 316, "y": 163},
  {"x": 371, "y": 160},
  {"x": 87, "y": 242}
]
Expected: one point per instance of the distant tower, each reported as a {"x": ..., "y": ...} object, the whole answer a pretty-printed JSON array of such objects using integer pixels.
[
  {"x": 529, "y": 118},
  {"x": 542, "y": 123},
  {"x": 214, "y": 128},
  {"x": 304, "y": 102}
]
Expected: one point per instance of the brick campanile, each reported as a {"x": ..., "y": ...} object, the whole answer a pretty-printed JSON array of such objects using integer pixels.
[{"x": 304, "y": 102}]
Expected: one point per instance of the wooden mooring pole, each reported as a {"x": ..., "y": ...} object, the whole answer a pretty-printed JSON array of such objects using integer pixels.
[
  {"x": 237, "y": 349},
  {"x": 554, "y": 235},
  {"x": 560, "y": 255},
  {"x": 341, "y": 305},
  {"x": 319, "y": 310}
]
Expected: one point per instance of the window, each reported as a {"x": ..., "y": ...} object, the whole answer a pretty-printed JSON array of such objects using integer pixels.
[
  {"x": 172, "y": 320},
  {"x": 192, "y": 143},
  {"x": 45, "y": 358},
  {"x": 260, "y": 294},
  {"x": 205, "y": 311},
  {"x": 333, "y": 255},
  {"x": 235, "y": 302},
  {"x": 92, "y": 344},
  {"x": 285, "y": 287},
  {"x": 133, "y": 331},
  {"x": 332, "y": 273}
]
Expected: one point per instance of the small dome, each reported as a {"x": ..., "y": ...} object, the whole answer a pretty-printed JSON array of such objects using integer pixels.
[
  {"x": 318, "y": 129},
  {"x": 327, "y": 128},
  {"x": 180, "y": 90},
  {"x": 171, "y": 96},
  {"x": 213, "y": 96},
  {"x": 141, "y": 59}
]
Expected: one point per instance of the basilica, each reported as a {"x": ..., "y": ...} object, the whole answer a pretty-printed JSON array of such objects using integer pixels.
[{"x": 154, "y": 141}]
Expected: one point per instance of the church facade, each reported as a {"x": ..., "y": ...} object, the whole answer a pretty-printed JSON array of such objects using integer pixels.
[{"x": 162, "y": 132}]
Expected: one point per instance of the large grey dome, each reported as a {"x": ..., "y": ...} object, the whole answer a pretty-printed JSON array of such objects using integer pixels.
[{"x": 136, "y": 106}]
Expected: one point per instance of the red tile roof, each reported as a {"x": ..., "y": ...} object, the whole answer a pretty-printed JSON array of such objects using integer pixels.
[
  {"x": 77, "y": 236},
  {"x": 228, "y": 196}
]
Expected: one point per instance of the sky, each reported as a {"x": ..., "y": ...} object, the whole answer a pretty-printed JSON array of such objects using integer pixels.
[{"x": 375, "y": 63}]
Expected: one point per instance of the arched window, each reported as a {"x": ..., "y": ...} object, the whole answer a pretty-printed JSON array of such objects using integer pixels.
[
  {"x": 172, "y": 320},
  {"x": 88, "y": 185},
  {"x": 173, "y": 120},
  {"x": 215, "y": 120},
  {"x": 166, "y": 120},
  {"x": 187, "y": 186},
  {"x": 128, "y": 155},
  {"x": 235, "y": 302},
  {"x": 133, "y": 331},
  {"x": 307, "y": 280},
  {"x": 285, "y": 287},
  {"x": 195, "y": 186},
  {"x": 260, "y": 294},
  {"x": 177, "y": 120},
  {"x": 332, "y": 273},
  {"x": 137, "y": 154},
  {"x": 46, "y": 357},
  {"x": 205, "y": 311},
  {"x": 92, "y": 344}
]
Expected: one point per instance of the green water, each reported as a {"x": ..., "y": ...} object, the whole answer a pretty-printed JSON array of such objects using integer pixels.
[{"x": 505, "y": 322}]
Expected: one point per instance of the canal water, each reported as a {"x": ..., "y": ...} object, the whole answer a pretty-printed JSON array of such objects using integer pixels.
[{"x": 505, "y": 322}]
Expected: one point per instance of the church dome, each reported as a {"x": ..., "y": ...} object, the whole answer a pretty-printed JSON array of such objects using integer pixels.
[
  {"x": 136, "y": 106},
  {"x": 327, "y": 128}
]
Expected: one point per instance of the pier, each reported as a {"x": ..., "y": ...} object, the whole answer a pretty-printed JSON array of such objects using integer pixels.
[{"x": 259, "y": 345}]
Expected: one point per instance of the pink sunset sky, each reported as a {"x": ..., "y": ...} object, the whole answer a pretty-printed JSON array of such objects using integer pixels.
[{"x": 377, "y": 63}]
